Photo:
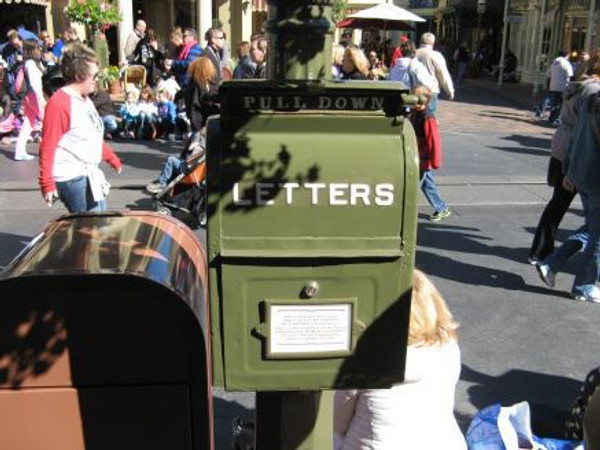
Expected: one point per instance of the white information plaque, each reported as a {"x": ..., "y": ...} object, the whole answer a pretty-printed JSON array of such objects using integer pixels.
[{"x": 310, "y": 329}]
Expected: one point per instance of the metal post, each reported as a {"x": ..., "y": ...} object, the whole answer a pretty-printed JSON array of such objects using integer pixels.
[
  {"x": 538, "y": 57},
  {"x": 294, "y": 420},
  {"x": 300, "y": 37},
  {"x": 503, "y": 49},
  {"x": 590, "y": 26}
]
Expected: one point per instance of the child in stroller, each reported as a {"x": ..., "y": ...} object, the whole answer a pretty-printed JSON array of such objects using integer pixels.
[{"x": 180, "y": 186}]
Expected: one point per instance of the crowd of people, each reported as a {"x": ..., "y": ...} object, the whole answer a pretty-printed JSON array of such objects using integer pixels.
[
  {"x": 29, "y": 65},
  {"x": 50, "y": 93},
  {"x": 425, "y": 72}
]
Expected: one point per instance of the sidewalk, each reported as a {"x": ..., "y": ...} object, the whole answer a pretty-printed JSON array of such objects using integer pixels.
[{"x": 519, "y": 94}]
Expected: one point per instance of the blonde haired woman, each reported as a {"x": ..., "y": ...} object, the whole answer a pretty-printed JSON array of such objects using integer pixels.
[
  {"x": 416, "y": 414},
  {"x": 355, "y": 65},
  {"x": 337, "y": 56}
]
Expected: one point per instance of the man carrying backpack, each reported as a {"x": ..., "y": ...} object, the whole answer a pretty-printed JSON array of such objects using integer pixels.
[{"x": 14, "y": 74}]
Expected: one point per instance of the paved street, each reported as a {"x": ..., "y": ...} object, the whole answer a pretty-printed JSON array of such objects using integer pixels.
[{"x": 520, "y": 340}]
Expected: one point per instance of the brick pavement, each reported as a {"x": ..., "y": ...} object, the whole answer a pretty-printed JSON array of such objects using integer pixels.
[{"x": 482, "y": 105}]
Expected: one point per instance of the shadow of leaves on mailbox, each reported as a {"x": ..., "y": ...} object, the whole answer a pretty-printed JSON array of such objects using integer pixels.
[
  {"x": 31, "y": 340},
  {"x": 239, "y": 165}
]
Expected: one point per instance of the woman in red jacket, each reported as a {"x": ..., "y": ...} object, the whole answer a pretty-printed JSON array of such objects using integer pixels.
[
  {"x": 73, "y": 138},
  {"x": 430, "y": 155}
]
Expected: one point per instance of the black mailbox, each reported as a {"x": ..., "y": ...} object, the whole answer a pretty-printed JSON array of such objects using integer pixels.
[{"x": 104, "y": 337}]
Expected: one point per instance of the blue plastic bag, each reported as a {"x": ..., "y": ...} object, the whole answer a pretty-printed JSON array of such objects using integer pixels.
[
  {"x": 483, "y": 433},
  {"x": 509, "y": 428}
]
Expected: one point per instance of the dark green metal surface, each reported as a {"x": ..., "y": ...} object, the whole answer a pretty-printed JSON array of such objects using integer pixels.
[{"x": 310, "y": 196}]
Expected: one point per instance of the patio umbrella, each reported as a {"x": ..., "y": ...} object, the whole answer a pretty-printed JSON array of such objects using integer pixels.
[
  {"x": 362, "y": 24},
  {"x": 385, "y": 16},
  {"x": 387, "y": 12}
]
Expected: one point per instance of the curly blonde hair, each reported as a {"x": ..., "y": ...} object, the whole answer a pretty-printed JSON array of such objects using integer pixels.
[{"x": 431, "y": 322}]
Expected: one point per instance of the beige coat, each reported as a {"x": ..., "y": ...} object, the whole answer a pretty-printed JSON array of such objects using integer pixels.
[{"x": 436, "y": 65}]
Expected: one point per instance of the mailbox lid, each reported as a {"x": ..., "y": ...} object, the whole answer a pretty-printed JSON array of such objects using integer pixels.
[{"x": 311, "y": 184}]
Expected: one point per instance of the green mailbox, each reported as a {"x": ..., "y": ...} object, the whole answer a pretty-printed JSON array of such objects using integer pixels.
[
  {"x": 312, "y": 218},
  {"x": 311, "y": 234}
]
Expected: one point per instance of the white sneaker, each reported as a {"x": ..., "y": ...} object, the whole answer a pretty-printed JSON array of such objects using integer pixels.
[
  {"x": 24, "y": 157},
  {"x": 593, "y": 296},
  {"x": 546, "y": 274},
  {"x": 155, "y": 187}
]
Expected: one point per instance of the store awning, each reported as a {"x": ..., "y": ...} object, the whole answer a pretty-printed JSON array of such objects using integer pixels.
[{"x": 25, "y": 2}]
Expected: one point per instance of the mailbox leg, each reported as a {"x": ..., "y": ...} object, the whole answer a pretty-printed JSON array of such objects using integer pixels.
[{"x": 294, "y": 420}]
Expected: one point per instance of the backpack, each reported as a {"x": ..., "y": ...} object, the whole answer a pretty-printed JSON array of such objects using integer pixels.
[{"x": 16, "y": 81}]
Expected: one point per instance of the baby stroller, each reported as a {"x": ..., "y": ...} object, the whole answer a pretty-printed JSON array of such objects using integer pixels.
[{"x": 186, "y": 193}]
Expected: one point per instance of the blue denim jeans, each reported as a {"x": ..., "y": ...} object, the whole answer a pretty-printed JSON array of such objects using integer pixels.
[
  {"x": 432, "y": 105},
  {"x": 171, "y": 169},
  {"x": 589, "y": 270},
  {"x": 146, "y": 124},
  {"x": 110, "y": 123},
  {"x": 431, "y": 191},
  {"x": 462, "y": 71},
  {"x": 556, "y": 99},
  {"x": 586, "y": 238},
  {"x": 77, "y": 195}
]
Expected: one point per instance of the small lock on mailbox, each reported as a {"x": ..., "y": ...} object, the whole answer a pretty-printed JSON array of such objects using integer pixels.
[{"x": 311, "y": 234}]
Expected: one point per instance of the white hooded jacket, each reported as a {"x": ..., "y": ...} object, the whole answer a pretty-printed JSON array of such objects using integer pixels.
[{"x": 412, "y": 73}]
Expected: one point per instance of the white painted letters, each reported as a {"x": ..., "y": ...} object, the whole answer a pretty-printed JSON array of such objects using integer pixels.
[
  {"x": 314, "y": 187},
  {"x": 324, "y": 102},
  {"x": 289, "y": 187},
  {"x": 384, "y": 194},
  {"x": 360, "y": 191},
  {"x": 262, "y": 192},
  {"x": 337, "y": 191},
  {"x": 321, "y": 194},
  {"x": 236, "y": 196},
  {"x": 249, "y": 101}
]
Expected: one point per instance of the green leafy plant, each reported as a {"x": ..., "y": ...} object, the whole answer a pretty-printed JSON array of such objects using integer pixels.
[
  {"x": 339, "y": 10},
  {"x": 97, "y": 15},
  {"x": 111, "y": 74}
]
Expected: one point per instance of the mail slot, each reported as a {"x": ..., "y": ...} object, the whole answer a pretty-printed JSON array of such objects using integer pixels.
[
  {"x": 104, "y": 337},
  {"x": 311, "y": 234}
]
